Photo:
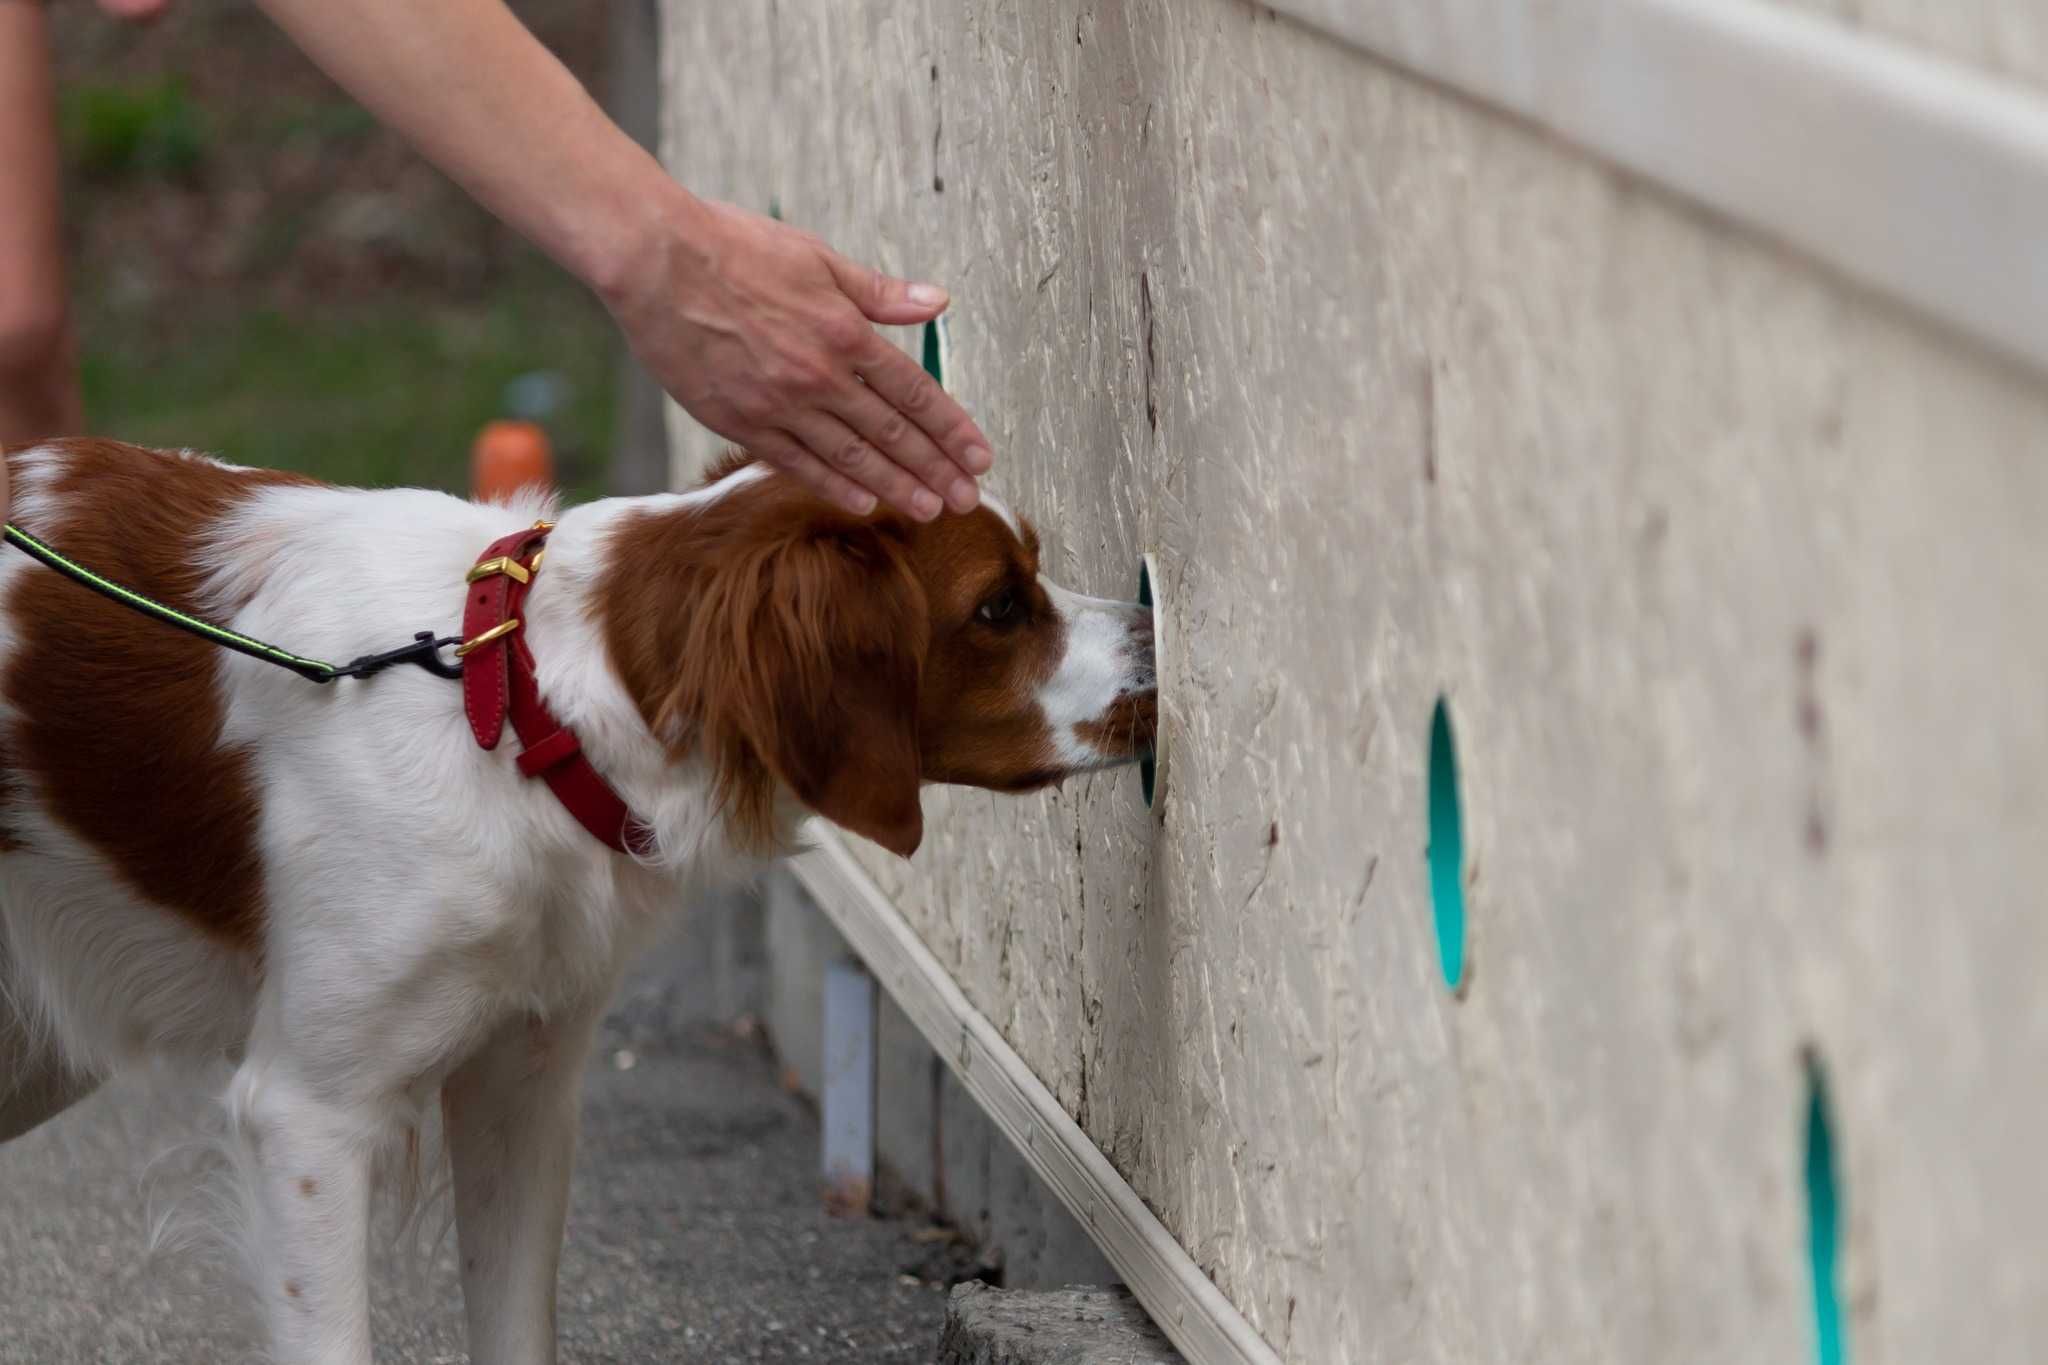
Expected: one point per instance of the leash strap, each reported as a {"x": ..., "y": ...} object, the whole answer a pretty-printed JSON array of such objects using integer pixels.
[
  {"x": 423, "y": 651},
  {"x": 493, "y": 663}
]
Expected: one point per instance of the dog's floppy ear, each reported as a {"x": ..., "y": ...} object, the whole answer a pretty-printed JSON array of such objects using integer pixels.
[{"x": 803, "y": 665}]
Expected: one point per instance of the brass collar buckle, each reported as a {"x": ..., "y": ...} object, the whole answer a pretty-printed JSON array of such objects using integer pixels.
[
  {"x": 499, "y": 631},
  {"x": 521, "y": 574},
  {"x": 503, "y": 564}
]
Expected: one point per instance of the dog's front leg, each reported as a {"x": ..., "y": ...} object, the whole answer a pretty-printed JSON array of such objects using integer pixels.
[
  {"x": 305, "y": 1153},
  {"x": 510, "y": 1113}
]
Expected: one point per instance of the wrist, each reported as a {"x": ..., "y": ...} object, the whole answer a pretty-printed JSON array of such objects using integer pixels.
[{"x": 644, "y": 240}]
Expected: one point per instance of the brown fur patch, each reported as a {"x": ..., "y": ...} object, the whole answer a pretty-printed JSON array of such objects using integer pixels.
[
  {"x": 848, "y": 657},
  {"x": 1126, "y": 729},
  {"x": 119, "y": 718},
  {"x": 981, "y": 724},
  {"x": 10, "y": 840},
  {"x": 782, "y": 639}
]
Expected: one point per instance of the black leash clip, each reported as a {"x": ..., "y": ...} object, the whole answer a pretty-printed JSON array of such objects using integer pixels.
[{"x": 425, "y": 650}]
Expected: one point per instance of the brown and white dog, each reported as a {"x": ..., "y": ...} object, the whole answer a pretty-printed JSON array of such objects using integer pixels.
[{"x": 335, "y": 888}]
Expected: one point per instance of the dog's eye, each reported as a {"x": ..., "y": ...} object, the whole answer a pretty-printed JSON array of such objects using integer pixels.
[{"x": 999, "y": 608}]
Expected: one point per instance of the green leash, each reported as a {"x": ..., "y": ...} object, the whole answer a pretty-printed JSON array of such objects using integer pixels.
[{"x": 425, "y": 649}]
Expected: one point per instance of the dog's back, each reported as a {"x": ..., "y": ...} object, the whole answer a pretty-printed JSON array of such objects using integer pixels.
[{"x": 162, "y": 800}]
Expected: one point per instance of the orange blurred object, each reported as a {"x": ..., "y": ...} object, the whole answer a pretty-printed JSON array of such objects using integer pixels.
[{"x": 509, "y": 456}]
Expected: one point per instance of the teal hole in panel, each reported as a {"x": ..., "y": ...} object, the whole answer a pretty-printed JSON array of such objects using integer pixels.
[
  {"x": 934, "y": 365},
  {"x": 1446, "y": 848},
  {"x": 1148, "y": 766},
  {"x": 1824, "y": 1223},
  {"x": 775, "y": 208}
]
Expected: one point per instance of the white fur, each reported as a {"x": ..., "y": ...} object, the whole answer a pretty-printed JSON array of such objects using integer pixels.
[
  {"x": 436, "y": 924},
  {"x": 1003, "y": 512},
  {"x": 1107, "y": 657}
]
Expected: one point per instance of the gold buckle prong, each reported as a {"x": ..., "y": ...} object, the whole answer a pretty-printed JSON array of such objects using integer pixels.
[
  {"x": 503, "y": 564},
  {"x": 503, "y": 628}
]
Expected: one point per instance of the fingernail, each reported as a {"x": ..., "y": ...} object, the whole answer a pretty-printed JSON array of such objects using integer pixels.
[
  {"x": 924, "y": 504},
  {"x": 861, "y": 504},
  {"x": 964, "y": 496},
  {"x": 978, "y": 459},
  {"x": 927, "y": 296}
]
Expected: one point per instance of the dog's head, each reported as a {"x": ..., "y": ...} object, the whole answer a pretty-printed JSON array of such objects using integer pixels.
[{"x": 850, "y": 659}]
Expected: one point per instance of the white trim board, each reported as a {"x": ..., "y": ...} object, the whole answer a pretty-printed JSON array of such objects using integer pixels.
[
  {"x": 1914, "y": 176},
  {"x": 1203, "y": 1325}
]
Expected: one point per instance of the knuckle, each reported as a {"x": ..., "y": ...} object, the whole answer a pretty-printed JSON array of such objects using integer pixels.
[
  {"x": 814, "y": 379},
  {"x": 892, "y": 430},
  {"x": 920, "y": 396},
  {"x": 793, "y": 379},
  {"x": 845, "y": 333},
  {"x": 851, "y": 453}
]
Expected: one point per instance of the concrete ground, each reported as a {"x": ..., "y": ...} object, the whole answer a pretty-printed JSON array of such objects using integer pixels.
[{"x": 695, "y": 1232}]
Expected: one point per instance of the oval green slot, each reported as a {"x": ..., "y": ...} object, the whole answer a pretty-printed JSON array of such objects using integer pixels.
[
  {"x": 933, "y": 365},
  {"x": 1446, "y": 848},
  {"x": 1823, "y": 1222},
  {"x": 1148, "y": 766}
]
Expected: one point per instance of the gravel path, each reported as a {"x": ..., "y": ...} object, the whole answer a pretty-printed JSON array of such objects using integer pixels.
[{"x": 695, "y": 1234}]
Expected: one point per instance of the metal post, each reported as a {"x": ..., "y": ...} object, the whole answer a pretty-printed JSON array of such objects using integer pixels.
[{"x": 848, "y": 1099}]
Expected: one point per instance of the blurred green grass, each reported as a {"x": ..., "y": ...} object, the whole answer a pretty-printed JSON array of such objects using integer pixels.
[
  {"x": 262, "y": 272},
  {"x": 387, "y": 393},
  {"x": 153, "y": 127}
]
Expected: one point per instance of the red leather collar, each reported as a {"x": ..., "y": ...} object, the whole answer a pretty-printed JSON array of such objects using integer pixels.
[{"x": 498, "y": 680}]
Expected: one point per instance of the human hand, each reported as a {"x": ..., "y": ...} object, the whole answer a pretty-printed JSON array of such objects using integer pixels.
[{"x": 764, "y": 334}]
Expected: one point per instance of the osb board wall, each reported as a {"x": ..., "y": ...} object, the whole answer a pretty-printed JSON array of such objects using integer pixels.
[{"x": 1735, "y": 581}]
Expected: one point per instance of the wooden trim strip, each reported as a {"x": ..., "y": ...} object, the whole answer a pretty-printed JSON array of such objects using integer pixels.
[
  {"x": 1914, "y": 176},
  {"x": 1188, "y": 1307}
]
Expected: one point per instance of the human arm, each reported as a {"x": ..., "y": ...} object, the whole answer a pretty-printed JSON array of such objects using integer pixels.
[{"x": 758, "y": 329}]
